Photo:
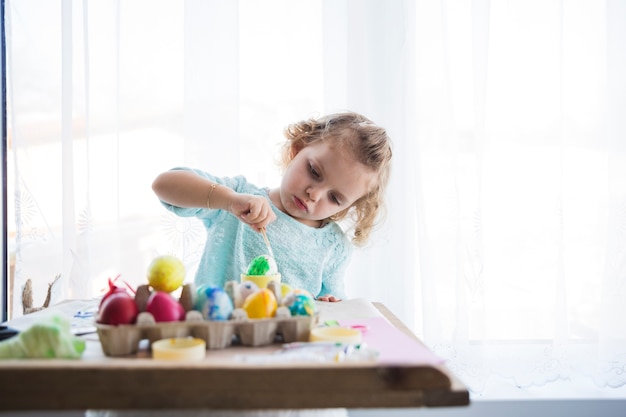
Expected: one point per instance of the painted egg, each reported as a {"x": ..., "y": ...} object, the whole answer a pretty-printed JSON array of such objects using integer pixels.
[
  {"x": 261, "y": 304},
  {"x": 246, "y": 288},
  {"x": 295, "y": 291},
  {"x": 263, "y": 265},
  {"x": 300, "y": 304},
  {"x": 214, "y": 303},
  {"x": 285, "y": 289}
]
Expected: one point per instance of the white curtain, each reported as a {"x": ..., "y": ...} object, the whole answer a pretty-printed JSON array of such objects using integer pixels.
[{"x": 505, "y": 234}]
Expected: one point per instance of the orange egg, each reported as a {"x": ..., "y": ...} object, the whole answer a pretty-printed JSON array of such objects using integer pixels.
[{"x": 261, "y": 304}]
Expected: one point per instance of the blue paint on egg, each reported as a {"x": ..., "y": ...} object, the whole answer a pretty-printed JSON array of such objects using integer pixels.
[
  {"x": 214, "y": 303},
  {"x": 302, "y": 305}
]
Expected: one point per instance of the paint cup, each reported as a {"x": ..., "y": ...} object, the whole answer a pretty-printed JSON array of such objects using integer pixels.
[
  {"x": 179, "y": 349},
  {"x": 261, "y": 280}
]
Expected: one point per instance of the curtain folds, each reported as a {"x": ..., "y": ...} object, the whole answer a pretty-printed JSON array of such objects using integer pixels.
[{"x": 505, "y": 231}]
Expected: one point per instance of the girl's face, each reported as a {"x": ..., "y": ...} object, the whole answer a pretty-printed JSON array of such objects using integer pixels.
[{"x": 320, "y": 182}]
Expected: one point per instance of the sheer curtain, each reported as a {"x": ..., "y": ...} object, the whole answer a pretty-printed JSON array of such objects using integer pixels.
[{"x": 505, "y": 234}]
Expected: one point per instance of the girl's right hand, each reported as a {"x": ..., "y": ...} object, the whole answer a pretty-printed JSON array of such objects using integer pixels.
[{"x": 253, "y": 210}]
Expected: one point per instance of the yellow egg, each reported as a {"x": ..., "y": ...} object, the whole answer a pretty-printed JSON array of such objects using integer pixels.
[
  {"x": 166, "y": 273},
  {"x": 262, "y": 304}
]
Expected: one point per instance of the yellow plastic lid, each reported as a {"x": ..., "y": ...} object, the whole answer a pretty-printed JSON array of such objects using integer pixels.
[
  {"x": 179, "y": 349},
  {"x": 335, "y": 334}
]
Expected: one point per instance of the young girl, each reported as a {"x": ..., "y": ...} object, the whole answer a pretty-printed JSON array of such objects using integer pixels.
[{"x": 334, "y": 167}]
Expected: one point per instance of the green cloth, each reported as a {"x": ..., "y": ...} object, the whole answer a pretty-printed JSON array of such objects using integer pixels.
[{"x": 49, "y": 338}]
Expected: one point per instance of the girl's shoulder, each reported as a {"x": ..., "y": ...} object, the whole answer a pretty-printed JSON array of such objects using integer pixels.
[{"x": 335, "y": 236}]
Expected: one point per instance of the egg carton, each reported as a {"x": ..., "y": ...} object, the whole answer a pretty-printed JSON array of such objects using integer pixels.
[{"x": 122, "y": 340}]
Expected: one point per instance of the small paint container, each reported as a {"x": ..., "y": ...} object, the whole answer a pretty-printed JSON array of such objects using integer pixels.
[
  {"x": 179, "y": 349},
  {"x": 335, "y": 334}
]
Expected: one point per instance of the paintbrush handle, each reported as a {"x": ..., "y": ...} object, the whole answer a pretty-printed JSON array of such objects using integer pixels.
[{"x": 267, "y": 243}]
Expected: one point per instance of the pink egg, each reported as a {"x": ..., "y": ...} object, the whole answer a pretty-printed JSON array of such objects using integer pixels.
[{"x": 164, "y": 307}]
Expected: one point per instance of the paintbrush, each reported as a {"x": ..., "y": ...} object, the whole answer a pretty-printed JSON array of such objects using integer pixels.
[{"x": 267, "y": 243}]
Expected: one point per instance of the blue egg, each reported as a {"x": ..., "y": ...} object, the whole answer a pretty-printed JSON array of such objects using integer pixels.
[
  {"x": 214, "y": 303},
  {"x": 301, "y": 305}
]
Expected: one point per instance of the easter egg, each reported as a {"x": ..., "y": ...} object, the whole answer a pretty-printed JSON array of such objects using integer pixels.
[
  {"x": 261, "y": 304},
  {"x": 113, "y": 288},
  {"x": 300, "y": 304},
  {"x": 285, "y": 289},
  {"x": 164, "y": 307},
  {"x": 246, "y": 288},
  {"x": 295, "y": 291},
  {"x": 118, "y": 308},
  {"x": 214, "y": 303},
  {"x": 166, "y": 273},
  {"x": 263, "y": 265}
]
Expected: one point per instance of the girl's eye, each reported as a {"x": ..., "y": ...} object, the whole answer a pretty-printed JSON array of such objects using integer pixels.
[
  {"x": 314, "y": 172},
  {"x": 335, "y": 200}
]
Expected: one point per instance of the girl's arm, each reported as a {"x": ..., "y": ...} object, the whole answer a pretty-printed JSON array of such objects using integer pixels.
[{"x": 189, "y": 190}]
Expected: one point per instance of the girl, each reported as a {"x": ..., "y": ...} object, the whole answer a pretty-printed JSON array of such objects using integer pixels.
[{"x": 334, "y": 167}]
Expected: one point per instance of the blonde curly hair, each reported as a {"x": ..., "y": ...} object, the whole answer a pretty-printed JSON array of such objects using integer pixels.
[{"x": 367, "y": 142}]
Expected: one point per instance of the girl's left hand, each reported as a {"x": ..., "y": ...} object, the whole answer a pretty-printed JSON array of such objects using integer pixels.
[{"x": 329, "y": 298}]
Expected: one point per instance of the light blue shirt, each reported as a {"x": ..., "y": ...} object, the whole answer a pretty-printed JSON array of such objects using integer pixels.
[{"x": 313, "y": 259}]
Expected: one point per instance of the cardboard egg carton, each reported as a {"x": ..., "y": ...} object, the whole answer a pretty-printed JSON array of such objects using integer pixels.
[{"x": 122, "y": 340}]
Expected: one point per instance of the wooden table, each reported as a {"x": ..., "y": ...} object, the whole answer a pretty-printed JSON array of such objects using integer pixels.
[{"x": 220, "y": 382}]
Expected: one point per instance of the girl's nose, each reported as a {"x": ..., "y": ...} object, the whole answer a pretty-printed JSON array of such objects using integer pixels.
[{"x": 313, "y": 193}]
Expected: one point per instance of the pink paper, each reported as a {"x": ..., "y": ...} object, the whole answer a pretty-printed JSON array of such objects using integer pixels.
[{"x": 393, "y": 345}]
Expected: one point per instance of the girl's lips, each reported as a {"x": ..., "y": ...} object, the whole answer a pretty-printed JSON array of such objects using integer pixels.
[{"x": 300, "y": 204}]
